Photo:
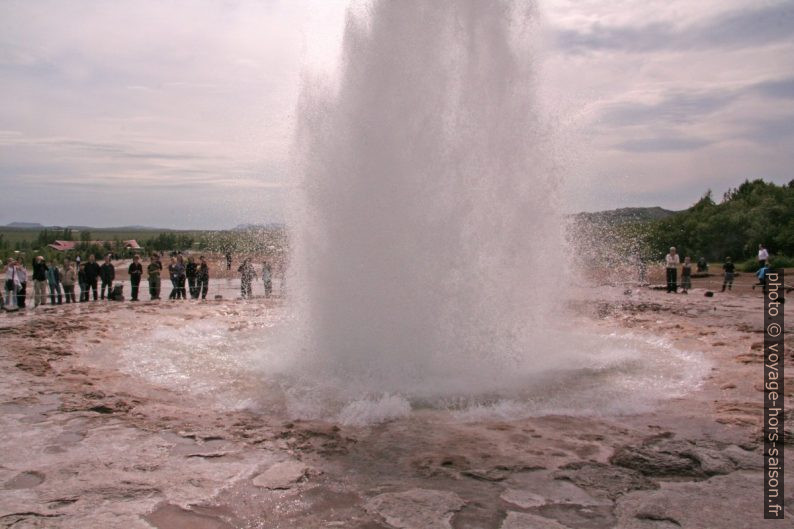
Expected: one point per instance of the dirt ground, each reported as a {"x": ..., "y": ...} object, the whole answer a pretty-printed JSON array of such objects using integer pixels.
[{"x": 89, "y": 447}]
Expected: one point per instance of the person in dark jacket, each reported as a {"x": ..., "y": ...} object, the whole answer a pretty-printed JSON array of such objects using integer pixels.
[
  {"x": 83, "y": 282},
  {"x": 267, "y": 277},
  {"x": 729, "y": 269},
  {"x": 172, "y": 275},
  {"x": 107, "y": 273},
  {"x": 22, "y": 293},
  {"x": 180, "y": 277},
  {"x": 191, "y": 271},
  {"x": 92, "y": 272},
  {"x": 54, "y": 282},
  {"x": 203, "y": 278},
  {"x": 247, "y": 276},
  {"x": 153, "y": 270},
  {"x": 39, "y": 281},
  {"x": 135, "y": 272}
]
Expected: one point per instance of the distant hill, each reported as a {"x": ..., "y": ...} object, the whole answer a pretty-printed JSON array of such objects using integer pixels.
[
  {"x": 621, "y": 215},
  {"x": 24, "y": 225},
  {"x": 248, "y": 227},
  {"x": 120, "y": 228},
  {"x": 39, "y": 226}
]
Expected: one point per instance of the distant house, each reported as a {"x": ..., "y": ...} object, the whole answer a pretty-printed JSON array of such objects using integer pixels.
[{"x": 64, "y": 246}]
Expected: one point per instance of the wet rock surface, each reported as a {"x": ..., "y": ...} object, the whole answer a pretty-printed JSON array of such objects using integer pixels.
[
  {"x": 603, "y": 480},
  {"x": 416, "y": 508},
  {"x": 91, "y": 447},
  {"x": 282, "y": 475},
  {"x": 690, "y": 458}
]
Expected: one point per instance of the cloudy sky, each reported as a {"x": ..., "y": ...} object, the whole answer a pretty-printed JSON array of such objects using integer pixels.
[{"x": 180, "y": 113}]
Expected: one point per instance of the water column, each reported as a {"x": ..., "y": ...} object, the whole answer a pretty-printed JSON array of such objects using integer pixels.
[{"x": 425, "y": 227}]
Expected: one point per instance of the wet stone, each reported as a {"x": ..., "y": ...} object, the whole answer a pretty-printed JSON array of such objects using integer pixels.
[
  {"x": 24, "y": 480},
  {"x": 416, "y": 508},
  {"x": 672, "y": 458},
  {"x": 282, "y": 475},
  {"x": 168, "y": 516},
  {"x": 602, "y": 480},
  {"x": 524, "y": 520}
]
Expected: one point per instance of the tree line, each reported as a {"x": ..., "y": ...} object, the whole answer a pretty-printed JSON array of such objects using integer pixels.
[{"x": 754, "y": 213}]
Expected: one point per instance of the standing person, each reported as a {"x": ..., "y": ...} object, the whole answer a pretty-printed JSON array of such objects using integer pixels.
[
  {"x": 135, "y": 272},
  {"x": 761, "y": 275},
  {"x": 672, "y": 260},
  {"x": 686, "y": 275},
  {"x": 763, "y": 255},
  {"x": 228, "y": 261},
  {"x": 642, "y": 269},
  {"x": 203, "y": 277},
  {"x": 22, "y": 273},
  {"x": 180, "y": 277},
  {"x": 68, "y": 279},
  {"x": 54, "y": 282},
  {"x": 247, "y": 275},
  {"x": 282, "y": 274},
  {"x": 11, "y": 285},
  {"x": 172, "y": 275},
  {"x": 107, "y": 273},
  {"x": 83, "y": 281},
  {"x": 729, "y": 268},
  {"x": 267, "y": 277},
  {"x": 191, "y": 271},
  {"x": 39, "y": 281},
  {"x": 153, "y": 270},
  {"x": 702, "y": 265},
  {"x": 92, "y": 273}
]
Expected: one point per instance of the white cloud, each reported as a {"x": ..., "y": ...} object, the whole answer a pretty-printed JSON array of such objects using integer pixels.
[
  {"x": 119, "y": 95},
  {"x": 111, "y": 103}
]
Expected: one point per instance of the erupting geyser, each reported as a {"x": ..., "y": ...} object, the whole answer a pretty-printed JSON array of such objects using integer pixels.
[
  {"x": 427, "y": 243},
  {"x": 426, "y": 246}
]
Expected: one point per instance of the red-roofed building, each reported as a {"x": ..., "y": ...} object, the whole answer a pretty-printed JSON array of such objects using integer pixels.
[{"x": 64, "y": 246}]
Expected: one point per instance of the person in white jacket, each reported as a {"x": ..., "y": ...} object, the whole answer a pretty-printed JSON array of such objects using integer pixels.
[
  {"x": 11, "y": 285},
  {"x": 672, "y": 261},
  {"x": 763, "y": 255}
]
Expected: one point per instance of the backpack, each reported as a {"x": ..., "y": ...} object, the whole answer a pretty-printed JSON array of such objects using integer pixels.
[{"x": 117, "y": 294}]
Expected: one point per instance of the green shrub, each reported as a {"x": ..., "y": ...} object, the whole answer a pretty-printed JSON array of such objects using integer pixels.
[
  {"x": 749, "y": 265},
  {"x": 781, "y": 261}
]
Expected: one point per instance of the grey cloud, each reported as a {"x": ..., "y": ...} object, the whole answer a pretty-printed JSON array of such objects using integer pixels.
[
  {"x": 766, "y": 131},
  {"x": 674, "y": 108},
  {"x": 778, "y": 88},
  {"x": 735, "y": 29},
  {"x": 687, "y": 107},
  {"x": 662, "y": 144}
]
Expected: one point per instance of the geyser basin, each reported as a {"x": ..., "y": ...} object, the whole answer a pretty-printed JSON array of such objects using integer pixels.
[
  {"x": 587, "y": 372},
  {"x": 427, "y": 243}
]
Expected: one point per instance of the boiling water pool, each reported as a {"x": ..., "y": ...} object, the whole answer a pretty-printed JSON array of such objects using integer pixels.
[{"x": 243, "y": 366}]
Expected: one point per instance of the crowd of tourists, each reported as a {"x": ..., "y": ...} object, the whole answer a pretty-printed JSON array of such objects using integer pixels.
[
  {"x": 673, "y": 261},
  {"x": 189, "y": 277},
  {"x": 94, "y": 280}
]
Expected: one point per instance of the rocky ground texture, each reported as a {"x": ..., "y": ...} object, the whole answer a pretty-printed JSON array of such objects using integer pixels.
[{"x": 87, "y": 447}]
